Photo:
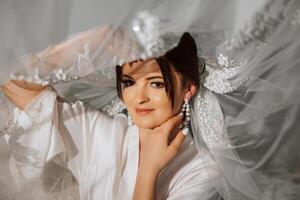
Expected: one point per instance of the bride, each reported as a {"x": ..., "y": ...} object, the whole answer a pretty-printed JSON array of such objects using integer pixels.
[{"x": 120, "y": 161}]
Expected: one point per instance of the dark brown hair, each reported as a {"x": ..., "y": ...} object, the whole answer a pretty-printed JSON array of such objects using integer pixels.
[{"x": 183, "y": 58}]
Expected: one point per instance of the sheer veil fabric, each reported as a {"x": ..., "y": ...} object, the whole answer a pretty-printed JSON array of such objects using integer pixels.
[
  {"x": 30, "y": 168},
  {"x": 247, "y": 108}
]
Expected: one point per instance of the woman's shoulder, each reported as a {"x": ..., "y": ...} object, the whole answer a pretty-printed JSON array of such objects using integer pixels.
[
  {"x": 189, "y": 175},
  {"x": 192, "y": 160}
]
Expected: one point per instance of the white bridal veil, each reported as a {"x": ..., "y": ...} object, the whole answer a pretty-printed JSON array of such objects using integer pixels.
[{"x": 247, "y": 108}]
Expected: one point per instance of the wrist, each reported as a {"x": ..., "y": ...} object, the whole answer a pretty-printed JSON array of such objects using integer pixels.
[
  {"x": 23, "y": 86},
  {"x": 145, "y": 183},
  {"x": 149, "y": 170}
]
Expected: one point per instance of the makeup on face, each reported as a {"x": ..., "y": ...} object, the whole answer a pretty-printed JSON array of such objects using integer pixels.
[{"x": 144, "y": 94}]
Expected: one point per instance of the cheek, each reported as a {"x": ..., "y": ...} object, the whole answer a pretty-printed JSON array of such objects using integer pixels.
[
  {"x": 163, "y": 110},
  {"x": 162, "y": 104},
  {"x": 127, "y": 96},
  {"x": 157, "y": 99}
]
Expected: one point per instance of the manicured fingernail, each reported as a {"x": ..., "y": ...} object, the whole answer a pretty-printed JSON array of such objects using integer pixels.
[
  {"x": 180, "y": 114},
  {"x": 185, "y": 131}
]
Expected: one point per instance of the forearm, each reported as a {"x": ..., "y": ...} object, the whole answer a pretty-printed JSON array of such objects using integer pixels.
[
  {"x": 145, "y": 185},
  {"x": 60, "y": 56},
  {"x": 21, "y": 93},
  {"x": 64, "y": 54}
]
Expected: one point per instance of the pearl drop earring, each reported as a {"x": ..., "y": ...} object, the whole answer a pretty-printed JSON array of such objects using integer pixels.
[
  {"x": 130, "y": 122},
  {"x": 186, "y": 111}
]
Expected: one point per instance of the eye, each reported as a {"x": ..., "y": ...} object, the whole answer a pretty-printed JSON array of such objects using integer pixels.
[
  {"x": 157, "y": 84},
  {"x": 127, "y": 83}
]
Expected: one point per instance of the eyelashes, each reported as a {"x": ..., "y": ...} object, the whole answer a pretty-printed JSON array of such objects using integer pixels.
[
  {"x": 155, "y": 84},
  {"x": 127, "y": 83}
]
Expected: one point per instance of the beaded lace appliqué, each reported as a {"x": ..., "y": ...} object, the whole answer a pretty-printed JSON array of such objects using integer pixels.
[
  {"x": 258, "y": 30},
  {"x": 219, "y": 72},
  {"x": 6, "y": 117},
  {"x": 146, "y": 28},
  {"x": 101, "y": 75},
  {"x": 296, "y": 18},
  {"x": 4, "y": 130},
  {"x": 82, "y": 65},
  {"x": 210, "y": 119},
  {"x": 217, "y": 79},
  {"x": 55, "y": 76},
  {"x": 113, "y": 108}
]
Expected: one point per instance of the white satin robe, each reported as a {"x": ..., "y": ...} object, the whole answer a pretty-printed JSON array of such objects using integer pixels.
[{"x": 103, "y": 157}]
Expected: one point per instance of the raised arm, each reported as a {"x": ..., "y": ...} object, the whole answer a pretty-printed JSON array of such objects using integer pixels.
[
  {"x": 60, "y": 56},
  {"x": 63, "y": 54}
]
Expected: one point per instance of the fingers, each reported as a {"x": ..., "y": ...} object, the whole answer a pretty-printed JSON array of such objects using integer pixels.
[
  {"x": 174, "y": 132},
  {"x": 177, "y": 142},
  {"x": 169, "y": 125}
]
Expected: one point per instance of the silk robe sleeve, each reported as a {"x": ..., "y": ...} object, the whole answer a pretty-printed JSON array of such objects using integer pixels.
[{"x": 99, "y": 142}]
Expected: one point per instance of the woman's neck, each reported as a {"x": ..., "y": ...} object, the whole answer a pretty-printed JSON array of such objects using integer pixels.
[{"x": 142, "y": 135}]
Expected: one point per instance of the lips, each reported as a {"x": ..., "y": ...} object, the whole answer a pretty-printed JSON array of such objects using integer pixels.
[{"x": 143, "y": 111}]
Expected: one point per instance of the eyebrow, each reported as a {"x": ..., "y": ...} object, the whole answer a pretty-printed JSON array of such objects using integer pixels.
[
  {"x": 148, "y": 78},
  {"x": 126, "y": 76},
  {"x": 154, "y": 77},
  {"x": 135, "y": 61}
]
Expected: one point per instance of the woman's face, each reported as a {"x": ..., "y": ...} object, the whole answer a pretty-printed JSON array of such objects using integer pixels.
[{"x": 145, "y": 96}]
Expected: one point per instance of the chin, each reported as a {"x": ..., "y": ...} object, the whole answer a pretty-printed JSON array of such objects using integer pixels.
[
  {"x": 147, "y": 124},
  {"x": 150, "y": 121}
]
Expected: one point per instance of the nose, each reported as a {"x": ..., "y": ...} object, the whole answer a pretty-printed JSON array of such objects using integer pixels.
[{"x": 141, "y": 96}]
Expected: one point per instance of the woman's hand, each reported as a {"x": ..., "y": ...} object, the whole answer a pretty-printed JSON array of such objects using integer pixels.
[
  {"x": 156, "y": 151},
  {"x": 21, "y": 93}
]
